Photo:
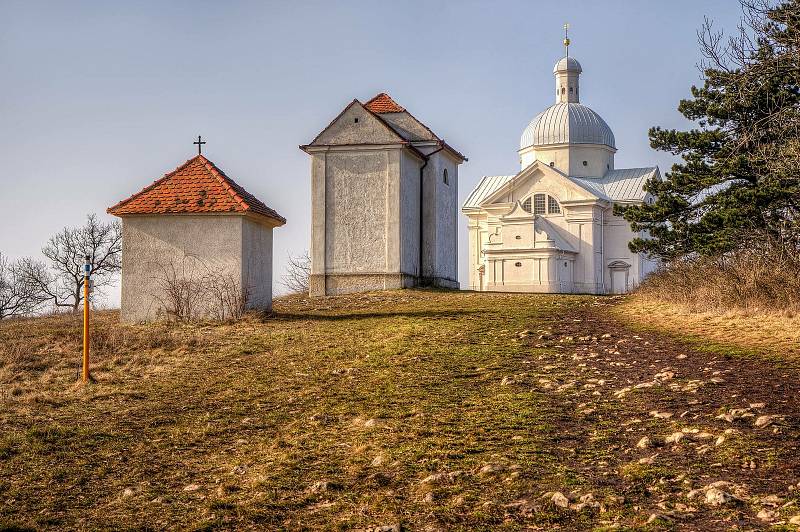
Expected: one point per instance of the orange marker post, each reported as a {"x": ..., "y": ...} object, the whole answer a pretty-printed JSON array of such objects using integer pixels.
[{"x": 87, "y": 267}]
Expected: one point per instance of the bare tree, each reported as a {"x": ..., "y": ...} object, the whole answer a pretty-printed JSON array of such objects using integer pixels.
[
  {"x": 297, "y": 272},
  {"x": 18, "y": 296},
  {"x": 191, "y": 290},
  {"x": 60, "y": 281},
  {"x": 179, "y": 290}
]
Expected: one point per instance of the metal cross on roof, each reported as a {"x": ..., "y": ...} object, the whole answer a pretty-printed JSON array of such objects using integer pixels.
[
  {"x": 199, "y": 143},
  {"x": 566, "y": 40}
]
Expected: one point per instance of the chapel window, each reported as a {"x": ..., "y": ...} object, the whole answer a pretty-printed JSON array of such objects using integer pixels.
[
  {"x": 527, "y": 205},
  {"x": 552, "y": 205},
  {"x": 444, "y": 177},
  {"x": 538, "y": 204}
]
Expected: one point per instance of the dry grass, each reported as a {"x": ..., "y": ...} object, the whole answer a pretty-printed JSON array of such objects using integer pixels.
[
  {"x": 763, "y": 280},
  {"x": 774, "y": 332},
  {"x": 331, "y": 413}
]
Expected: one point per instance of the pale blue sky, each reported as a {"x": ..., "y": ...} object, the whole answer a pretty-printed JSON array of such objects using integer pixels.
[{"x": 99, "y": 99}]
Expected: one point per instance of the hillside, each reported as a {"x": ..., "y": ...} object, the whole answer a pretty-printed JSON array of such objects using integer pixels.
[{"x": 415, "y": 409}]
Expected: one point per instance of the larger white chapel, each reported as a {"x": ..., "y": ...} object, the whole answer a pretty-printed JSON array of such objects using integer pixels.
[{"x": 551, "y": 227}]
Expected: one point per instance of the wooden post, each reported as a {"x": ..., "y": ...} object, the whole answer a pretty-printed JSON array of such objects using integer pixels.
[{"x": 86, "y": 269}]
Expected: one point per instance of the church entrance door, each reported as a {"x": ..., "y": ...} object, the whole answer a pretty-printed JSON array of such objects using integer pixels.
[{"x": 565, "y": 276}]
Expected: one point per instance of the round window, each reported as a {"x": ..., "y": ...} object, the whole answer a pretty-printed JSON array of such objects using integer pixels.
[{"x": 518, "y": 264}]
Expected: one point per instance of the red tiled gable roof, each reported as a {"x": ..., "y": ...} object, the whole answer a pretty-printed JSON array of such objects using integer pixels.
[
  {"x": 197, "y": 186},
  {"x": 383, "y": 103}
]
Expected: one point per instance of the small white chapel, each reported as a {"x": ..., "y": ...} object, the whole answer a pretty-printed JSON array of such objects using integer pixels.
[{"x": 551, "y": 227}]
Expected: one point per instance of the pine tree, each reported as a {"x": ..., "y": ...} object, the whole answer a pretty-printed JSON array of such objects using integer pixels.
[{"x": 738, "y": 179}]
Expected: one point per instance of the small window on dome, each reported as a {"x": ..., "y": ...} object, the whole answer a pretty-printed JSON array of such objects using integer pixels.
[
  {"x": 444, "y": 177},
  {"x": 552, "y": 164},
  {"x": 585, "y": 163},
  {"x": 518, "y": 264},
  {"x": 355, "y": 120},
  {"x": 570, "y": 90},
  {"x": 538, "y": 204},
  {"x": 552, "y": 205},
  {"x": 527, "y": 205}
]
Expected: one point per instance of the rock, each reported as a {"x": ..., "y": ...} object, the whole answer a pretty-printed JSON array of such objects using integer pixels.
[
  {"x": 758, "y": 405},
  {"x": 507, "y": 381},
  {"x": 377, "y": 461},
  {"x": 191, "y": 487},
  {"x": 772, "y": 500},
  {"x": 658, "y": 517},
  {"x": 766, "y": 515},
  {"x": 239, "y": 470},
  {"x": 794, "y": 520},
  {"x": 428, "y": 498},
  {"x": 644, "y": 443},
  {"x": 441, "y": 478},
  {"x": 374, "y": 423},
  {"x": 717, "y": 497},
  {"x": 560, "y": 500},
  {"x": 606, "y": 335},
  {"x": 647, "y": 460},
  {"x": 765, "y": 421},
  {"x": 320, "y": 486},
  {"x": 660, "y": 415},
  {"x": 492, "y": 468},
  {"x": 675, "y": 437},
  {"x": 385, "y": 528},
  {"x": 127, "y": 492}
]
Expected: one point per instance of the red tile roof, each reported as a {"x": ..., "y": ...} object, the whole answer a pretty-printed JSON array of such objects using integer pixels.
[
  {"x": 197, "y": 186},
  {"x": 383, "y": 103}
]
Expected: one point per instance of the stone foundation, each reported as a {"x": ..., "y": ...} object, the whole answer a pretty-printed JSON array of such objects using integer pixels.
[{"x": 348, "y": 283}]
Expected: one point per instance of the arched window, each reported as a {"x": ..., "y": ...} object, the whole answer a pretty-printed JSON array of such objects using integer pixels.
[
  {"x": 538, "y": 204},
  {"x": 444, "y": 177},
  {"x": 527, "y": 205},
  {"x": 552, "y": 205}
]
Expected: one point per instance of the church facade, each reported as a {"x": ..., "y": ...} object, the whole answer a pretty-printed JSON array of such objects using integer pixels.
[
  {"x": 551, "y": 227},
  {"x": 384, "y": 202}
]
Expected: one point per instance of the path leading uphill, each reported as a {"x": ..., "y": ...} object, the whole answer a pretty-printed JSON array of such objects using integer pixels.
[{"x": 417, "y": 410}]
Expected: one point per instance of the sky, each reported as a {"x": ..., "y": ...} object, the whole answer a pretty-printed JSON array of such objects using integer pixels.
[{"x": 99, "y": 99}]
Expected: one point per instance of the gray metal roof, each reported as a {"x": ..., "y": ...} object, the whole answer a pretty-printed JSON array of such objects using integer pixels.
[
  {"x": 567, "y": 123},
  {"x": 567, "y": 63},
  {"x": 487, "y": 185},
  {"x": 624, "y": 184}
]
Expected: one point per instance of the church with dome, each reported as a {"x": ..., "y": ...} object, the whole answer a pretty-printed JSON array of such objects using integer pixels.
[{"x": 551, "y": 227}]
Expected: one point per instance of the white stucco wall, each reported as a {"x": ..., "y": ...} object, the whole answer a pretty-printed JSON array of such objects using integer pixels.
[
  {"x": 355, "y": 211},
  {"x": 155, "y": 248},
  {"x": 409, "y": 215},
  {"x": 257, "y": 264}
]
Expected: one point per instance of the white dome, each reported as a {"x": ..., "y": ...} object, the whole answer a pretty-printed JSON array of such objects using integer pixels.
[
  {"x": 568, "y": 64},
  {"x": 567, "y": 123}
]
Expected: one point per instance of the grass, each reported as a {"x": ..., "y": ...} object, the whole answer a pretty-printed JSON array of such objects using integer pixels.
[
  {"x": 331, "y": 414},
  {"x": 738, "y": 331}
]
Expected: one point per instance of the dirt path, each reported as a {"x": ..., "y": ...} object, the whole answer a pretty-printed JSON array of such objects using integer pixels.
[{"x": 703, "y": 440}]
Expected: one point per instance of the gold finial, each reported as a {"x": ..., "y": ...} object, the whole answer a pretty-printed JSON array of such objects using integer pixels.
[{"x": 566, "y": 40}]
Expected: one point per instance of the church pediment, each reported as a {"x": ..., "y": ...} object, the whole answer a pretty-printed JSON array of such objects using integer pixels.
[{"x": 537, "y": 177}]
